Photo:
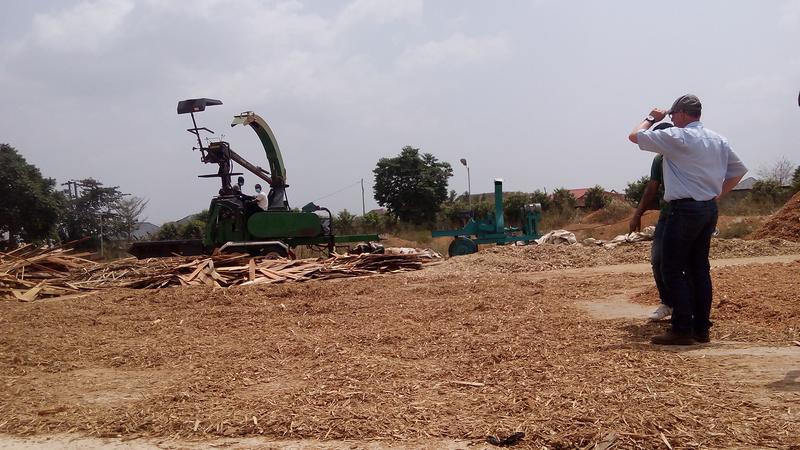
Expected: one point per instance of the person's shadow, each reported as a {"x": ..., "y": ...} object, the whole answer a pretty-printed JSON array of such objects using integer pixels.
[
  {"x": 637, "y": 336},
  {"x": 789, "y": 383},
  {"x": 642, "y": 332}
]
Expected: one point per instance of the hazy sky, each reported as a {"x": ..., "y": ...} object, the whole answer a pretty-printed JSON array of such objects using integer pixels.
[{"x": 540, "y": 92}]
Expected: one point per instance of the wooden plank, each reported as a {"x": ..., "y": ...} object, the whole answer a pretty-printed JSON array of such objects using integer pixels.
[
  {"x": 197, "y": 270},
  {"x": 215, "y": 276},
  {"x": 271, "y": 275},
  {"x": 251, "y": 270},
  {"x": 261, "y": 280},
  {"x": 29, "y": 295}
]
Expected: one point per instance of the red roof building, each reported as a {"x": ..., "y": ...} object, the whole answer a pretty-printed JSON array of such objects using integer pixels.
[{"x": 580, "y": 196}]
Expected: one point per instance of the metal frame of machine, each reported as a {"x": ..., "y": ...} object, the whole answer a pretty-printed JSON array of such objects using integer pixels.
[
  {"x": 236, "y": 223},
  {"x": 492, "y": 229}
]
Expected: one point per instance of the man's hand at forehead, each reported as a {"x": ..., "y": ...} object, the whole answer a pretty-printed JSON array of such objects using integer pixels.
[{"x": 658, "y": 114}]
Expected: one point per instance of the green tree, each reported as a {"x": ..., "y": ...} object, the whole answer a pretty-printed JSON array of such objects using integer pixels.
[
  {"x": 192, "y": 229},
  {"x": 512, "y": 207},
  {"x": 91, "y": 212},
  {"x": 453, "y": 214},
  {"x": 796, "y": 180},
  {"x": 563, "y": 199},
  {"x": 371, "y": 222},
  {"x": 482, "y": 208},
  {"x": 167, "y": 232},
  {"x": 412, "y": 186},
  {"x": 541, "y": 198},
  {"x": 203, "y": 216},
  {"x": 596, "y": 198},
  {"x": 343, "y": 222},
  {"x": 766, "y": 191},
  {"x": 635, "y": 189},
  {"x": 30, "y": 205}
]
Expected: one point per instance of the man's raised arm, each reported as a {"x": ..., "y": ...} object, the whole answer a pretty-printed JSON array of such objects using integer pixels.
[{"x": 656, "y": 115}]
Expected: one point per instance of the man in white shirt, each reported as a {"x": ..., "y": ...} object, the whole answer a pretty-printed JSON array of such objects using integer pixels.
[
  {"x": 261, "y": 198},
  {"x": 699, "y": 166}
]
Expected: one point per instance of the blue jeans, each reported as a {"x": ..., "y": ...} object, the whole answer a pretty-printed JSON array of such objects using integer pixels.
[
  {"x": 656, "y": 256},
  {"x": 684, "y": 265}
]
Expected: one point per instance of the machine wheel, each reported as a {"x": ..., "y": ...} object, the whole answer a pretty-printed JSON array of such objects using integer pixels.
[
  {"x": 271, "y": 252},
  {"x": 274, "y": 255},
  {"x": 462, "y": 246}
]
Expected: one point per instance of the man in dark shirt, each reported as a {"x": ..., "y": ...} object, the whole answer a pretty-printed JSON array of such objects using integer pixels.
[{"x": 654, "y": 194}]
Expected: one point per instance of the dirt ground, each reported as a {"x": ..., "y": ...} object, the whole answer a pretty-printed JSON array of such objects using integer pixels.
[
  {"x": 583, "y": 230},
  {"x": 438, "y": 358}
]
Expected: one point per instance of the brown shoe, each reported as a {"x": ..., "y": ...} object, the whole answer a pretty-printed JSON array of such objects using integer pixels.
[
  {"x": 702, "y": 337},
  {"x": 673, "y": 338}
]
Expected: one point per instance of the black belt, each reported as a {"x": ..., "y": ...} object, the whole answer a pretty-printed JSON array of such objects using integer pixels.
[{"x": 689, "y": 200}]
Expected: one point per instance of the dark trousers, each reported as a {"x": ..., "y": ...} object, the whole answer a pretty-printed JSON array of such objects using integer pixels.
[
  {"x": 684, "y": 265},
  {"x": 656, "y": 256}
]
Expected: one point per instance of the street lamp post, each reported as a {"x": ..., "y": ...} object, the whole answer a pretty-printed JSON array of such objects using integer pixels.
[{"x": 469, "y": 185}]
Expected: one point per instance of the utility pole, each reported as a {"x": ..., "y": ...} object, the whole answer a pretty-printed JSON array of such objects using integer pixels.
[
  {"x": 469, "y": 185},
  {"x": 363, "y": 204},
  {"x": 71, "y": 184},
  {"x": 101, "y": 235}
]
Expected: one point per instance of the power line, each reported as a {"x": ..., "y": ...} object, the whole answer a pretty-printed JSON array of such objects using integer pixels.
[{"x": 337, "y": 191}]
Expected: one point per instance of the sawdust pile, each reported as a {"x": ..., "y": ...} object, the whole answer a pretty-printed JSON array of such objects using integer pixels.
[
  {"x": 545, "y": 257},
  {"x": 744, "y": 248},
  {"x": 783, "y": 224}
]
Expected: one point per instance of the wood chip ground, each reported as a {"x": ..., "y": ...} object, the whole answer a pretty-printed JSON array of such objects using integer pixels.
[{"x": 456, "y": 350}]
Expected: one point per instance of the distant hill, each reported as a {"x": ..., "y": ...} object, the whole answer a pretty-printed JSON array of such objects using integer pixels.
[
  {"x": 145, "y": 229},
  {"x": 185, "y": 220}
]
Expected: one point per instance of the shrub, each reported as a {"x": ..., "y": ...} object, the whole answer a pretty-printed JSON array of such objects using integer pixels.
[
  {"x": 542, "y": 198},
  {"x": 482, "y": 208},
  {"x": 167, "y": 232},
  {"x": 452, "y": 215},
  {"x": 766, "y": 191},
  {"x": 563, "y": 199},
  {"x": 343, "y": 222},
  {"x": 635, "y": 189},
  {"x": 194, "y": 229},
  {"x": 512, "y": 207},
  {"x": 596, "y": 198}
]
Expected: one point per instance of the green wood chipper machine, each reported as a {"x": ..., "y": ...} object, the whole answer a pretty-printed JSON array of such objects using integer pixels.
[
  {"x": 235, "y": 221},
  {"x": 492, "y": 229}
]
